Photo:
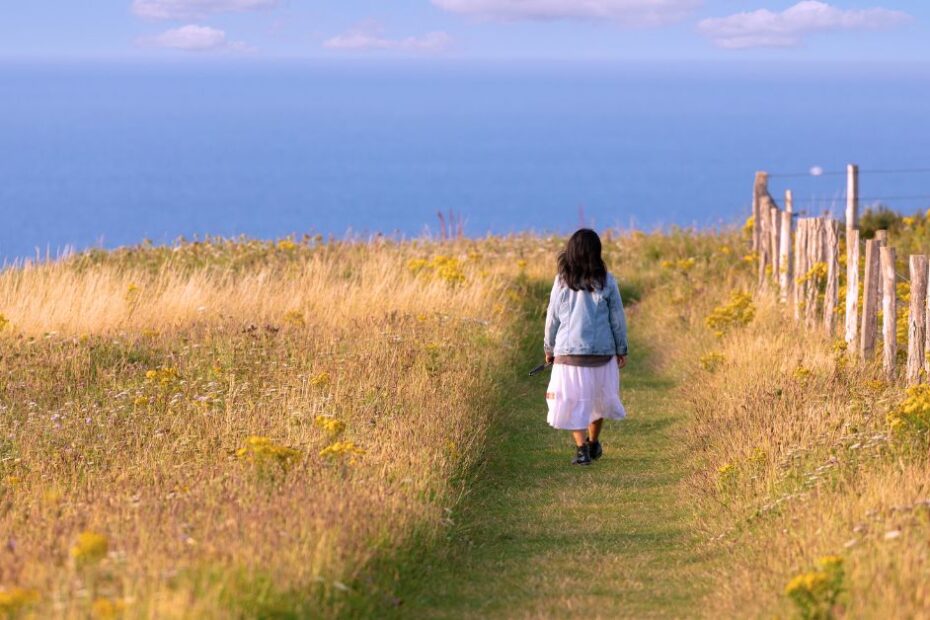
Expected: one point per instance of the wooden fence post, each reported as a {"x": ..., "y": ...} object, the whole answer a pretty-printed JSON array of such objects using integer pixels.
[
  {"x": 852, "y": 289},
  {"x": 800, "y": 266},
  {"x": 759, "y": 187},
  {"x": 917, "y": 319},
  {"x": 765, "y": 239},
  {"x": 927, "y": 331},
  {"x": 789, "y": 201},
  {"x": 852, "y": 198},
  {"x": 775, "y": 229},
  {"x": 869, "y": 300},
  {"x": 882, "y": 237},
  {"x": 785, "y": 274},
  {"x": 815, "y": 255},
  {"x": 831, "y": 292},
  {"x": 889, "y": 311}
]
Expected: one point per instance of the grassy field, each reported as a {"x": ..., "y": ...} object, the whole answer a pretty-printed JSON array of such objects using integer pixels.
[{"x": 303, "y": 428}]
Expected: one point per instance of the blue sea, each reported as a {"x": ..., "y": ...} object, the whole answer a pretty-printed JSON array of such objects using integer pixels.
[{"x": 107, "y": 154}]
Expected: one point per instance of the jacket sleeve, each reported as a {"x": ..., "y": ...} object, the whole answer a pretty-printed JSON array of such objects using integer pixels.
[
  {"x": 617, "y": 318},
  {"x": 552, "y": 318}
]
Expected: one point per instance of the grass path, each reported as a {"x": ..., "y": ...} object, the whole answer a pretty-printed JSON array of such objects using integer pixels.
[{"x": 541, "y": 538}]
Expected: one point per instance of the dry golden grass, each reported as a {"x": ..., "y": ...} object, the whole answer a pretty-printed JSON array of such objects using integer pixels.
[
  {"x": 131, "y": 384},
  {"x": 794, "y": 461}
]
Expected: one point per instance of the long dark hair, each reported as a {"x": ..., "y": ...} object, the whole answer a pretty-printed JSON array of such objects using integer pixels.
[{"x": 580, "y": 264}]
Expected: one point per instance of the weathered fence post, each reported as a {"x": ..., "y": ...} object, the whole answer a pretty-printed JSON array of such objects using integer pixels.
[
  {"x": 789, "y": 201},
  {"x": 831, "y": 292},
  {"x": 784, "y": 256},
  {"x": 765, "y": 239},
  {"x": 917, "y": 319},
  {"x": 759, "y": 188},
  {"x": 852, "y": 198},
  {"x": 889, "y": 311},
  {"x": 852, "y": 288},
  {"x": 882, "y": 237},
  {"x": 800, "y": 266},
  {"x": 775, "y": 229},
  {"x": 927, "y": 331},
  {"x": 815, "y": 255},
  {"x": 869, "y": 300}
]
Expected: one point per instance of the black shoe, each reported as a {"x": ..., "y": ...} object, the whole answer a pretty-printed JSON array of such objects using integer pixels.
[
  {"x": 582, "y": 456},
  {"x": 595, "y": 449}
]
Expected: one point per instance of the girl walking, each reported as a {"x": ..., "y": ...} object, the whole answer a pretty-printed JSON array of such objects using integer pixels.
[{"x": 586, "y": 342}]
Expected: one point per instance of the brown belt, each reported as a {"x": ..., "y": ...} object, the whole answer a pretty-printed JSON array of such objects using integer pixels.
[{"x": 583, "y": 360}]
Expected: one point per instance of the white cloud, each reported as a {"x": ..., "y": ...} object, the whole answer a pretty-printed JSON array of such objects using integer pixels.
[
  {"x": 629, "y": 12},
  {"x": 192, "y": 38},
  {"x": 195, "y": 9},
  {"x": 370, "y": 37},
  {"x": 764, "y": 28}
]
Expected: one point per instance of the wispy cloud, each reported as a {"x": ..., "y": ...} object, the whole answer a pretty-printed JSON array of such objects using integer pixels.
[
  {"x": 764, "y": 28},
  {"x": 192, "y": 38},
  {"x": 195, "y": 9},
  {"x": 370, "y": 37},
  {"x": 628, "y": 12}
]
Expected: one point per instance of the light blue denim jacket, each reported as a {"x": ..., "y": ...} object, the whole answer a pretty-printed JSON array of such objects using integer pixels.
[{"x": 585, "y": 323}]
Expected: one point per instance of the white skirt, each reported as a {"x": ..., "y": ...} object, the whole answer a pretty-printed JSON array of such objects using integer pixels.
[{"x": 580, "y": 395}]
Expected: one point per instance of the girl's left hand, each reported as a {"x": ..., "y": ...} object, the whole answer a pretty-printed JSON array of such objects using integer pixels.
[
  {"x": 621, "y": 361},
  {"x": 550, "y": 358}
]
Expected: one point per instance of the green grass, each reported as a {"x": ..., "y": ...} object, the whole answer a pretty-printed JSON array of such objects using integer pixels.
[{"x": 538, "y": 537}]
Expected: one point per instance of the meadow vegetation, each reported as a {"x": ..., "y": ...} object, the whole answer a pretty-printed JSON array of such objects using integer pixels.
[
  {"x": 809, "y": 480},
  {"x": 239, "y": 427},
  {"x": 234, "y": 427}
]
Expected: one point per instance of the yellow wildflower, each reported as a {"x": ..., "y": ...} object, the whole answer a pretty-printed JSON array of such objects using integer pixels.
[
  {"x": 321, "y": 379},
  {"x": 341, "y": 448},
  {"x": 810, "y": 582},
  {"x": 817, "y": 273},
  {"x": 815, "y": 593},
  {"x": 287, "y": 244},
  {"x": 329, "y": 424},
  {"x": 15, "y": 600},
  {"x": 913, "y": 412},
  {"x": 416, "y": 265},
  {"x": 90, "y": 548},
  {"x": 164, "y": 375},
  {"x": 449, "y": 269},
  {"x": 738, "y": 311},
  {"x": 262, "y": 451}
]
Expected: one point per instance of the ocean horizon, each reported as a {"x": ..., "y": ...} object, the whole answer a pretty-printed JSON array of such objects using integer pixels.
[{"x": 103, "y": 154}]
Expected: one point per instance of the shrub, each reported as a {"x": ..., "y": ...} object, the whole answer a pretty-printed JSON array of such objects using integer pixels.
[
  {"x": 875, "y": 218},
  {"x": 912, "y": 414}
]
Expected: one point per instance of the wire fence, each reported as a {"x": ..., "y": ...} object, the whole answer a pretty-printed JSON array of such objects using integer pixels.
[{"x": 835, "y": 199}]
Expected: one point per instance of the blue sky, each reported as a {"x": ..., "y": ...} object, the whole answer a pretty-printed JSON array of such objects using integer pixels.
[{"x": 809, "y": 30}]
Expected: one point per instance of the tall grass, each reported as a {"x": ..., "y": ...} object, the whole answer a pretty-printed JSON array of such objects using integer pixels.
[
  {"x": 238, "y": 428},
  {"x": 815, "y": 505}
]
